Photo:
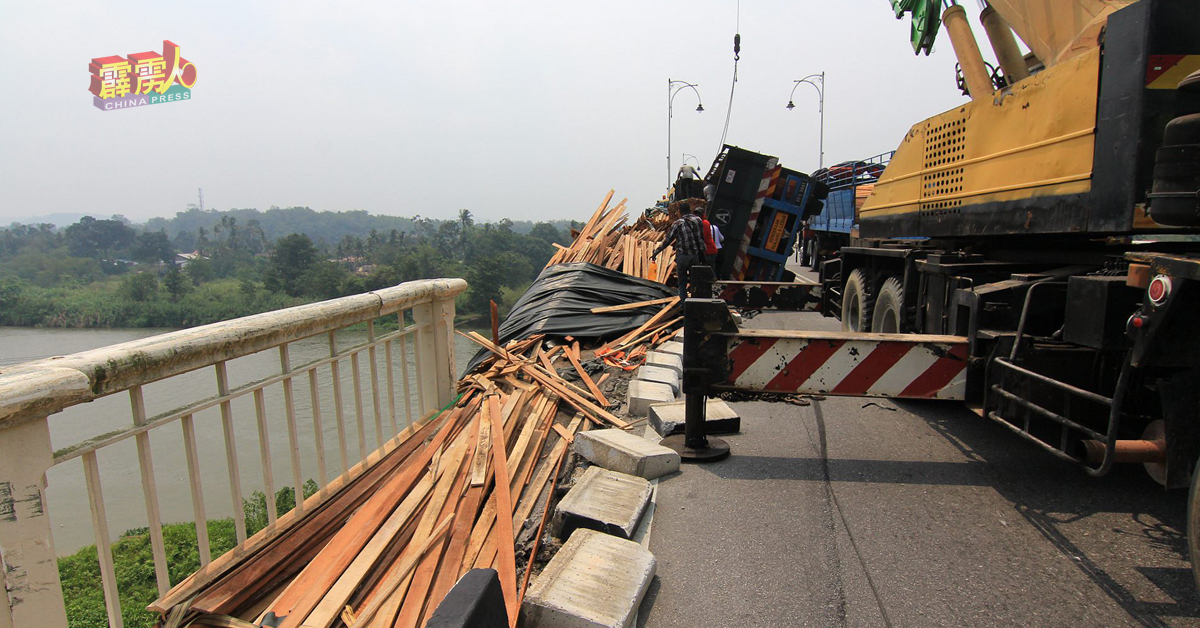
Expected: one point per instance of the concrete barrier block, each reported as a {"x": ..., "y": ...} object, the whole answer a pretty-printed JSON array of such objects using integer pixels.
[
  {"x": 719, "y": 418},
  {"x": 661, "y": 375},
  {"x": 621, "y": 451},
  {"x": 672, "y": 346},
  {"x": 643, "y": 393},
  {"x": 665, "y": 360},
  {"x": 605, "y": 501},
  {"x": 595, "y": 581}
]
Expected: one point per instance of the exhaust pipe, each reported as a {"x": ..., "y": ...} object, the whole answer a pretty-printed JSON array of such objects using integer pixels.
[
  {"x": 978, "y": 79},
  {"x": 1004, "y": 44}
]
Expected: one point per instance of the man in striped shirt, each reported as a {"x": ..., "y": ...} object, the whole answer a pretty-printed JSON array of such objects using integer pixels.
[{"x": 687, "y": 235}]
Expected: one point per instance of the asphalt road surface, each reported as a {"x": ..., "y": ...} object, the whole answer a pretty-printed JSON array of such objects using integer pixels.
[{"x": 867, "y": 512}]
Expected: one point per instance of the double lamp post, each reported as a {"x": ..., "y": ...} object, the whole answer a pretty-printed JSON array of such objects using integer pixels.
[{"x": 674, "y": 86}]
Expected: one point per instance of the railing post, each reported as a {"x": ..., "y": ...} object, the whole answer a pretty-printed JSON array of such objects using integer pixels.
[
  {"x": 32, "y": 594},
  {"x": 425, "y": 345},
  {"x": 444, "y": 337},
  {"x": 435, "y": 352}
]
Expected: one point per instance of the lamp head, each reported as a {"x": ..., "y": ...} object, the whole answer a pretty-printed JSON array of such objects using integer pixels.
[
  {"x": 791, "y": 105},
  {"x": 700, "y": 108}
]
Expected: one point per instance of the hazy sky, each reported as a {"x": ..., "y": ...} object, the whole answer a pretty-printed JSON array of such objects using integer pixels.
[{"x": 526, "y": 110}]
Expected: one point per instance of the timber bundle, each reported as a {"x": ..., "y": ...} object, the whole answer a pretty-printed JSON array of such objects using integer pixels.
[
  {"x": 383, "y": 544},
  {"x": 607, "y": 241}
]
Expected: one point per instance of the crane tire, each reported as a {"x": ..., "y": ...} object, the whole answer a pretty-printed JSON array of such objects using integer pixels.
[
  {"x": 858, "y": 301},
  {"x": 887, "y": 317}
]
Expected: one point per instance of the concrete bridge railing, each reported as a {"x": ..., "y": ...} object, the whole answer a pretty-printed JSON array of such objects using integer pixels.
[{"x": 31, "y": 394}]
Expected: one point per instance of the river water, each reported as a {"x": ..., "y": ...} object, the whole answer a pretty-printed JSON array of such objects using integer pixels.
[{"x": 119, "y": 471}]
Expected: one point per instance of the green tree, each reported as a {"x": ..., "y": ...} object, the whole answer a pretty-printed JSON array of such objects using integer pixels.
[
  {"x": 177, "y": 285},
  {"x": 294, "y": 255},
  {"x": 153, "y": 246},
  {"x": 139, "y": 287}
]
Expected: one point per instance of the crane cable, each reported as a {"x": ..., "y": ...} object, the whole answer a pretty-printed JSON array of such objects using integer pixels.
[{"x": 737, "y": 50}]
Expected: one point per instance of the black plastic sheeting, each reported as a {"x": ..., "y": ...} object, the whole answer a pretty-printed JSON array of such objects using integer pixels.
[{"x": 560, "y": 301}]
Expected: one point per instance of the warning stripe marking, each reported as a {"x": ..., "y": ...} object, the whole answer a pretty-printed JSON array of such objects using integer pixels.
[
  {"x": 746, "y": 354},
  {"x": 874, "y": 366},
  {"x": 1165, "y": 71},
  {"x": 907, "y": 367},
  {"x": 806, "y": 363}
]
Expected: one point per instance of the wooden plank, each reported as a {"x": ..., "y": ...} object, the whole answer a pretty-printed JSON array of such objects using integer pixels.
[
  {"x": 387, "y": 600},
  {"x": 365, "y": 616},
  {"x": 479, "y": 461},
  {"x": 330, "y": 607},
  {"x": 504, "y": 508},
  {"x": 562, "y": 431},
  {"x": 573, "y": 356},
  {"x": 417, "y": 598},
  {"x": 305, "y": 591},
  {"x": 233, "y": 572},
  {"x": 630, "y": 306}
]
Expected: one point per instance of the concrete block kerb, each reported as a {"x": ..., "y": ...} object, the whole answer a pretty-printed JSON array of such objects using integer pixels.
[
  {"x": 719, "y": 418},
  {"x": 665, "y": 360},
  {"x": 595, "y": 581},
  {"x": 621, "y": 451},
  {"x": 660, "y": 375},
  {"x": 674, "y": 347},
  {"x": 605, "y": 501},
  {"x": 643, "y": 393}
]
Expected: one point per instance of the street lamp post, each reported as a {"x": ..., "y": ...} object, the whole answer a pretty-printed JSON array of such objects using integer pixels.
[
  {"x": 814, "y": 79},
  {"x": 674, "y": 87}
]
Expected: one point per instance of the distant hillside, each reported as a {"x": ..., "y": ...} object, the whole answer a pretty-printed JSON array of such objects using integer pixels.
[
  {"x": 58, "y": 220},
  {"x": 324, "y": 226}
]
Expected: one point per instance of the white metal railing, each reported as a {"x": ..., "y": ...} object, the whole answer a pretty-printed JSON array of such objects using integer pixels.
[{"x": 31, "y": 394}]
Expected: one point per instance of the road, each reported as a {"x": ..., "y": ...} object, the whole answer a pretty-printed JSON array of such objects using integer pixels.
[{"x": 865, "y": 512}]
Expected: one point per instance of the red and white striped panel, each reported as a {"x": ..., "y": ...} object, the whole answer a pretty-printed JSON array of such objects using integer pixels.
[
  {"x": 880, "y": 365},
  {"x": 765, "y": 188}
]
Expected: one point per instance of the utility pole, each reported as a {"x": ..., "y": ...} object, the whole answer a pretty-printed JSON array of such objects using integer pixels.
[{"x": 201, "y": 198}]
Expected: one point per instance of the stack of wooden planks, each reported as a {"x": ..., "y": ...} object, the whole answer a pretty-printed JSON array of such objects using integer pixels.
[
  {"x": 607, "y": 241},
  {"x": 383, "y": 544}
]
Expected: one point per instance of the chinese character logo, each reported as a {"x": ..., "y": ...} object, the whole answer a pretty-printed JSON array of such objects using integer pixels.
[{"x": 144, "y": 78}]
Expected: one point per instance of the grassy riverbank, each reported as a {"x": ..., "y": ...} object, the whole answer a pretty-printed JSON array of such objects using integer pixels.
[{"x": 133, "y": 563}]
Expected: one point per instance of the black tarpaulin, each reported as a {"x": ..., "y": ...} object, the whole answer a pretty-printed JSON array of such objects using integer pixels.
[{"x": 560, "y": 301}]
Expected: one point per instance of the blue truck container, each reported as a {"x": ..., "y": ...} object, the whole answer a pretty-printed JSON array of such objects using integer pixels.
[{"x": 850, "y": 183}]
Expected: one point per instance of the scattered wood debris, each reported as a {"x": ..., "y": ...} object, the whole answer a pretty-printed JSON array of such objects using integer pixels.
[{"x": 381, "y": 545}]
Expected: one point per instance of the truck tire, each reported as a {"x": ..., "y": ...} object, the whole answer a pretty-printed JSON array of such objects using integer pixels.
[
  {"x": 814, "y": 257},
  {"x": 858, "y": 301},
  {"x": 888, "y": 315},
  {"x": 805, "y": 252}
]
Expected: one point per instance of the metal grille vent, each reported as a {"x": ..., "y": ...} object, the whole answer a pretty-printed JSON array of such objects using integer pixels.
[{"x": 944, "y": 144}]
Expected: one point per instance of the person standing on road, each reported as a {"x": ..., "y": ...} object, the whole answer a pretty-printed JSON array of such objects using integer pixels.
[
  {"x": 686, "y": 234},
  {"x": 710, "y": 245}
]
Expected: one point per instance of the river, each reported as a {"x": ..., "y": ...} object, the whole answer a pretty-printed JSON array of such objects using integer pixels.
[{"x": 120, "y": 478}]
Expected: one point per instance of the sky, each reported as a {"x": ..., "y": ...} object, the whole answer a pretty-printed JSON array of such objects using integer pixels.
[{"x": 523, "y": 110}]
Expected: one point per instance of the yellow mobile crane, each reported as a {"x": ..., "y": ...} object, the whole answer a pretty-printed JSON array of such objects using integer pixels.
[{"x": 1050, "y": 225}]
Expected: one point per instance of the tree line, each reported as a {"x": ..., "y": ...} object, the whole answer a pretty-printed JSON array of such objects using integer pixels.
[{"x": 112, "y": 273}]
